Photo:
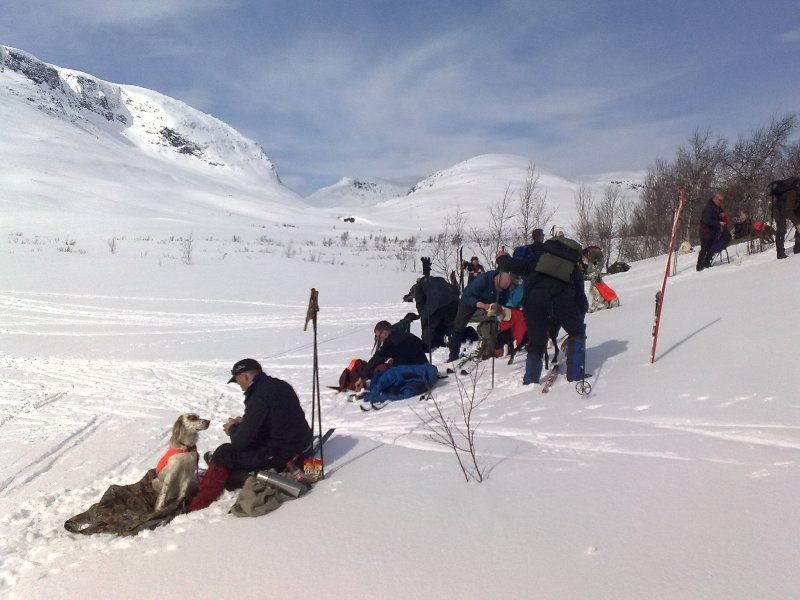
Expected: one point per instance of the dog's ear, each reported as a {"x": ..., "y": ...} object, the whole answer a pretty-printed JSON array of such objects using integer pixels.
[{"x": 178, "y": 429}]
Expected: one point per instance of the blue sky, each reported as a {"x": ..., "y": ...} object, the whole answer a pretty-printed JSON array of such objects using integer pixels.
[{"x": 401, "y": 89}]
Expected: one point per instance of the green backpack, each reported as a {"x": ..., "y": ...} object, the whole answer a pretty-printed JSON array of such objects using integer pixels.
[{"x": 560, "y": 256}]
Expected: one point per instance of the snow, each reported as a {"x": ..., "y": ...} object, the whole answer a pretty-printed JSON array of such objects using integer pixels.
[{"x": 672, "y": 480}]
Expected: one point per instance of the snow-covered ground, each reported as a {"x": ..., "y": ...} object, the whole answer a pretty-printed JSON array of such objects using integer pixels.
[
  {"x": 131, "y": 279},
  {"x": 672, "y": 480}
]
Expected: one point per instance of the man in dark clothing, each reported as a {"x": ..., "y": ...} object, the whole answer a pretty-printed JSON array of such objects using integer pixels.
[
  {"x": 786, "y": 205},
  {"x": 272, "y": 431},
  {"x": 711, "y": 226},
  {"x": 550, "y": 303},
  {"x": 529, "y": 250},
  {"x": 399, "y": 347},
  {"x": 479, "y": 294}
]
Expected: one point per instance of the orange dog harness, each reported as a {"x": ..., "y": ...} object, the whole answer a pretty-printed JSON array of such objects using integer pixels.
[{"x": 169, "y": 454}]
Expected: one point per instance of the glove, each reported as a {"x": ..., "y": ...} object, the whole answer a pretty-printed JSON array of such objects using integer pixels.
[
  {"x": 426, "y": 266},
  {"x": 411, "y": 317}
]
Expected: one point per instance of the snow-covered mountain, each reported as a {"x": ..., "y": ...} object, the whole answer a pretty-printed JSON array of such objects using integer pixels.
[
  {"x": 80, "y": 150},
  {"x": 474, "y": 185},
  {"x": 358, "y": 192},
  {"x": 149, "y": 155}
]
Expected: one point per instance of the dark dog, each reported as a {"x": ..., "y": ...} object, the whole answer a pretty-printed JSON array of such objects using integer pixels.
[{"x": 747, "y": 230}]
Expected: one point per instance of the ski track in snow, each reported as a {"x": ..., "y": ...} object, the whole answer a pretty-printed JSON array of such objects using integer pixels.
[{"x": 54, "y": 407}]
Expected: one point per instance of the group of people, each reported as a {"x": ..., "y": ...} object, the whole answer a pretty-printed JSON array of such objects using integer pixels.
[
  {"x": 714, "y": 223},
  {"x": 273, "y": 429},
  {"x": 550, "y": 276}
]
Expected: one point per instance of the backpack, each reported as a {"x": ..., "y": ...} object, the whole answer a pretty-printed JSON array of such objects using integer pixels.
[
  {"x": 560, "y": 257},
  {"x": 618, "y": 267},
  {"x": 785, "y": 196},
  {"x": 348, "y": 378},
  {"x": 780, "y": 187},
  {"x": 523, "y": 252}
]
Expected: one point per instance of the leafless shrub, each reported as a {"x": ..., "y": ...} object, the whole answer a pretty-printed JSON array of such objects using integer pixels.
[
  {"x": 446, "y": 244},
  {"x": 187, "y": 249},
  {"x": 458, "y": 434}
]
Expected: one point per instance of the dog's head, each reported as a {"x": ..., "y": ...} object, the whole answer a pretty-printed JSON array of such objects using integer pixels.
[
  {"x": 501, "y": 312},
  {"x": 186, "y": 429}
]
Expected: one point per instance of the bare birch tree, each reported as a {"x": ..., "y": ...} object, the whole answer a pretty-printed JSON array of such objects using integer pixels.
[
  {"x": 533, "y": 210},
  {"x": 584, "y": 204}
]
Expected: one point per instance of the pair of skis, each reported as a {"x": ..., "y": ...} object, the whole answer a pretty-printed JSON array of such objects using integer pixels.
[{"x": 583, "y": 387}]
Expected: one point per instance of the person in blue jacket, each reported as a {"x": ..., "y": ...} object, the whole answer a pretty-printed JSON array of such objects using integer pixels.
[{"x": 480, "y": 294}]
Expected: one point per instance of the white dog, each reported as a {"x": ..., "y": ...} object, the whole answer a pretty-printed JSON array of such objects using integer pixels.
[{"x": 176, "y": 473}]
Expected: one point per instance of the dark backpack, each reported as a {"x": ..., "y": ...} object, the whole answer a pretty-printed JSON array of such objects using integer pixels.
[
  {"x": 782, "y": 186},
  {"x": 560, "y": 257},
  {"x": 523, "y": 252},
  {"x": 348, "y": 378},
  {"x": 785, "y": 194}
]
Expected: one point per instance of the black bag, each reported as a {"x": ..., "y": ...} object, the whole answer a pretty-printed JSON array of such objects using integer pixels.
[
  {"x": 781, "y": 186},
  {"x": 351, "y": 374}
]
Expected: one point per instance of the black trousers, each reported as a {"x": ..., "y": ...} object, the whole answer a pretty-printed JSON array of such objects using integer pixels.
[
  {"x": 703, "y": 255},
  {"x": 249, "y": 460},
  {"x": 545, "y": 311}
]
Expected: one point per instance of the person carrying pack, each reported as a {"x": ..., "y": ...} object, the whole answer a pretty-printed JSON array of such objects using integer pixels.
[
  {"x": 786, "y": 205},
  {"x": 530, "y": 250},
  {"x": 554, "y": 296}
]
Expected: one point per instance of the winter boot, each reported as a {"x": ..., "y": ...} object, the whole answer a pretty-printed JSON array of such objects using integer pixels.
[
  {"x": 211, "y": 486},
  {"x": 796, "y": 248},
  {"x": 576, "y": 358},
  {"x": 533, "y": 370},
  {"x": 454, "y": 345},
  {"x": 779, "y": 246}
]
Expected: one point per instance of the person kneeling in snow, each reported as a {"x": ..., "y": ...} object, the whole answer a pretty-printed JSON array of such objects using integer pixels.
[
  {"x": 395, "y": 348},
  {"x": 272, "y": 431}
]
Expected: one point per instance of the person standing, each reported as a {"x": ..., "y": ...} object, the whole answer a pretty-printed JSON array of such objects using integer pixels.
[
  {"x": 272, "y": 431},
  {"x": 474, "y": 269},
  {"x": 711, "y": 226},
  {"x": 554, "y": 297},
  {"x": 437, "y": 303},
  {"x": 786, "y": 205}
]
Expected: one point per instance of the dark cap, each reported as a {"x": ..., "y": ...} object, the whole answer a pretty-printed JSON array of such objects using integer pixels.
[{"x": 242, "y": 366}]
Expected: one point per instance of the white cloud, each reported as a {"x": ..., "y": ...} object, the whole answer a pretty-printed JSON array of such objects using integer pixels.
[
  {"x": 123, "y": 12},
  {"x": 790, "y": 37}
]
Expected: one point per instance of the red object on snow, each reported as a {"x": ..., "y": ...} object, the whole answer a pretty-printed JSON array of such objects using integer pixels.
[{"x": 605, "y": 291}]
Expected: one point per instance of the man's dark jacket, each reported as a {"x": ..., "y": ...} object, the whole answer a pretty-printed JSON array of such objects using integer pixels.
[
  {"x": 403, "y": 348},
  {"x": 710, "y": 219},
  {"x": 432, "y": 294},
  {"x": 536, "y": 283},
  {"x": 273, "y": 420}
]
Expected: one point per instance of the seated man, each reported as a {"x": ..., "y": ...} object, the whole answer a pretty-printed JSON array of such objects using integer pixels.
[
  {"x": 272, "y": 431},
  {"x": 394, "y": 348}
]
